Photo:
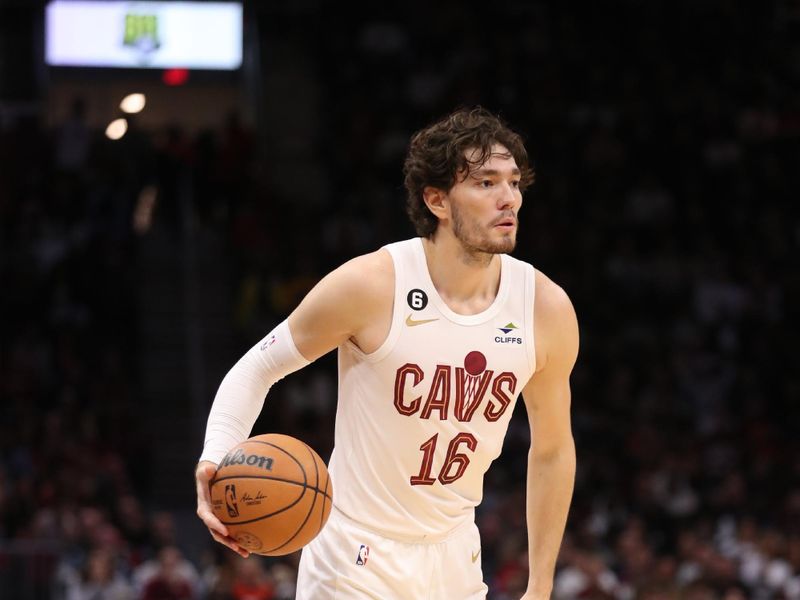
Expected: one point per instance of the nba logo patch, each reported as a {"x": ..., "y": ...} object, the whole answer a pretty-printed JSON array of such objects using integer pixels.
[
  {"x": 268, "y": 342},
  {"x": 363, "y": 555}
]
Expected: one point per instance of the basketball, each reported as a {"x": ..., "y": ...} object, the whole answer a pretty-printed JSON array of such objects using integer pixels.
[{"x": 273, "y": 493}]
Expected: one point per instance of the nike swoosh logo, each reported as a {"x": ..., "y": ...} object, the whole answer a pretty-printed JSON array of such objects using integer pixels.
[
  {"x": 475, "y": 555},
  {"x": 412, "y": 323}
]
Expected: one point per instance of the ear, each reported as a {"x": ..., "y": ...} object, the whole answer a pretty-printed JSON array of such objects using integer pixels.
[{"x": 437, "y": 202}]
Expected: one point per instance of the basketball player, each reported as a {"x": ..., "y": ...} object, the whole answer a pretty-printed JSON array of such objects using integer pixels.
[{"x": 436, "y": 336}]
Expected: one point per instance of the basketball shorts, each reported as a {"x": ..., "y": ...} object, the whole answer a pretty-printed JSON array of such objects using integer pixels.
[{"x": 346, "y": 561}]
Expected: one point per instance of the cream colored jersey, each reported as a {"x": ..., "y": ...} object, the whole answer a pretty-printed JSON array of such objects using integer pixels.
[{"x": 420, "y": 420}]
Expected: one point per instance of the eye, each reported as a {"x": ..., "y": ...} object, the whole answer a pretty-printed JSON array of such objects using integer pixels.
[
  {"x": 486, "y": 183},
  {"x": 515, "y": 183}
]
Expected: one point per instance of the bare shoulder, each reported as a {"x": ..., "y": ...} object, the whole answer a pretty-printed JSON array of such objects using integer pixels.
[
  {"x": 551, "y": 299},
  {"x": 366, "y": 278},
  {"x": 357, "y": 283},
  {"x": 555, "y": 323},
  {"x": 343, "y": 303}
]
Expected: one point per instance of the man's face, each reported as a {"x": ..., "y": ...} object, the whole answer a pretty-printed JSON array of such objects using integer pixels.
[{"x": 484, "y": 204}]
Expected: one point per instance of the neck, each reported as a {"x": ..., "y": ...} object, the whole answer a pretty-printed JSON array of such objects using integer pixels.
[{"x": 466, "y": 280}]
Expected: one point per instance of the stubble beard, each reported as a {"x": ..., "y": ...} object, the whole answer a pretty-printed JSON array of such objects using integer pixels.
[{"x": 476, "y": 242}]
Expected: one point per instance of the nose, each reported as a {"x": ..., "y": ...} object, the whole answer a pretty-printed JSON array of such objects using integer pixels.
[{"x": 508, "y": 196}]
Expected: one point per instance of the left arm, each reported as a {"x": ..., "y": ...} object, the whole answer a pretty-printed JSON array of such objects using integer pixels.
[{"x": 551, "y": 459}]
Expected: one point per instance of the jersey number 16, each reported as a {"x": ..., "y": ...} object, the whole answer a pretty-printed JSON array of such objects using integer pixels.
[{"x": 455, "y": 462}]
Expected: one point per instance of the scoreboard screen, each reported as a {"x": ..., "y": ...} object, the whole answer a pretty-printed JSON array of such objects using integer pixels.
[{"x": 146, "y": 35}]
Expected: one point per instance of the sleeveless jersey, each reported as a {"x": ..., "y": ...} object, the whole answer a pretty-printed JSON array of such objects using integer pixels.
[{"x": 420, "y": 420}]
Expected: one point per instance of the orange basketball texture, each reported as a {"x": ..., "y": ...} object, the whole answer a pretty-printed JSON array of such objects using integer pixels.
[{"x": 273, "y": 493}]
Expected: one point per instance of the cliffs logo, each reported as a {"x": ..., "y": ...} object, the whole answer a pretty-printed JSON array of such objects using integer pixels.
[
  {"x": 508, "y": 338},
  {"x": 141, "y": 33}
]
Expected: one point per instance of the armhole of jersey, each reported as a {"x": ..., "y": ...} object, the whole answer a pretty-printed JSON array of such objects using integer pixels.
[
  {"x": 530, "y": 316},
  {"x": 395, "y": 326}
]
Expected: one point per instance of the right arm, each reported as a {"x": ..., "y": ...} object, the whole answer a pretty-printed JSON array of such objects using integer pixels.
[{"x": 353, "y": 302}]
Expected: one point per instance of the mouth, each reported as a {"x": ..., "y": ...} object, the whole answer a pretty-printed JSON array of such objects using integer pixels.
[{"x": 506, "y": 224}]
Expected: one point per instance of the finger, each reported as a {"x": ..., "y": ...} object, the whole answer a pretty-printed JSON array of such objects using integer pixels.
[
  {"x": 206, "y": 472},
  {"x": 204, "y": 475},
  {"x": 230, "y": 543},
  {"x": 226, "y": 541},
  {"x": 211, "y": 521}
]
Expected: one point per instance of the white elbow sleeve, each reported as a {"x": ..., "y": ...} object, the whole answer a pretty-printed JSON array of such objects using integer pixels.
[{"x": 240, "y": 396}]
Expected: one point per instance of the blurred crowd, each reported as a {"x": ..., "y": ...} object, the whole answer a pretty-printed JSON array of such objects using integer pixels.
[{"x": 665, "y": 141}]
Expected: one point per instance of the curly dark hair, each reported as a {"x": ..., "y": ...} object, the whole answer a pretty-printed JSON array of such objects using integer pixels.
[{"x": 437, "y": 154}]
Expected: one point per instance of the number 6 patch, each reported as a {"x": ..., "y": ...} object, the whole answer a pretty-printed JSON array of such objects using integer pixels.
[{"x": 417, "y": 299}]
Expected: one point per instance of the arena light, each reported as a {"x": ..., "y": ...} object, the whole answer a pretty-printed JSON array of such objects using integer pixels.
[
  {"x": 133, "y": 103},
  {"x": 143, "y": 211},
  {"x": 116, "y": 129}
]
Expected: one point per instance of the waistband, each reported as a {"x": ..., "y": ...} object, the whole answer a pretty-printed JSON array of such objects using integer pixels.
[{"x": 427, "y": 538}]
